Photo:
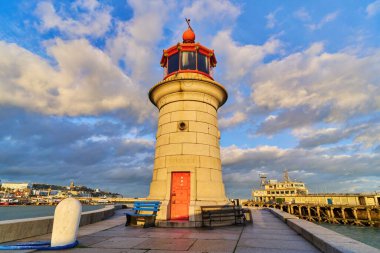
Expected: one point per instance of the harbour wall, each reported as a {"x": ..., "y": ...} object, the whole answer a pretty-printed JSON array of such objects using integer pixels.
[
  {"x": 324, "y": 239},
  {"x": 11, "y": 230},
  {"x": 335, "y": 214}
]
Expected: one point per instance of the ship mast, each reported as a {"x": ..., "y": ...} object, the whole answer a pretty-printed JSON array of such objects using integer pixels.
[{"x": 286, "y": 176}]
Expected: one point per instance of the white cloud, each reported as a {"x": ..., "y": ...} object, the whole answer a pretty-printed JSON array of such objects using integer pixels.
[
  {"x": 371, "y": 137},
  {"x": 83, "y": 81},
  {"x": 312, "y": 137},
  {"x": 85, "y": 18},
  {"x": 238, "y": 60},
  {"x": 302, "y": 14},
  {"x": 312, "y": 86},
  {"x": 326, "y": 19},
  {"x": 333, "y": 169},
  {"x": 373, "y": 8},
  {"x": 136, "y": 40},
  {"x": 201, "y": 10},
  {"x": 271, "y": 18},
  {"x": 235, "y": 119}
]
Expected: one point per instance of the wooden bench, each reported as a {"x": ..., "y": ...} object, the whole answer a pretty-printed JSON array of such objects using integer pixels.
[
  {"x": 222, "y": 215},
  {"x": 145, "y": 211}
]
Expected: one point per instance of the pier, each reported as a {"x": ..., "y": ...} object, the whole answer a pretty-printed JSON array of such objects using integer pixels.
[
  {"x": 271, "y": 230},
  {"x": 360, "y": 215}
]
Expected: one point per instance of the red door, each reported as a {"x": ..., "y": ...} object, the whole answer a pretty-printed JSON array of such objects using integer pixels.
[{"x": 180, "y": 196}]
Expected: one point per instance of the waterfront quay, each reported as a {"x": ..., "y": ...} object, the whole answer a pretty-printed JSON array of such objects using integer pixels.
[
  {"x": 360, "y": 215},
  {"x": 271, "y": 231}
]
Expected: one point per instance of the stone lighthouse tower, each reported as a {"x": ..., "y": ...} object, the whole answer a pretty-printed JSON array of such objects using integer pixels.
[{"x": 187, "y": 170}]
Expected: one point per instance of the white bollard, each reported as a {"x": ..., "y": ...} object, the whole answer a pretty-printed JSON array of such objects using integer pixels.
[{"x": 66, "y": 222}]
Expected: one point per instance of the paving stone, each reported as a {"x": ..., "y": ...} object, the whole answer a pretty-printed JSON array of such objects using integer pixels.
[
  {"x": 271, "y": 236},
  {"x": 90, "y": 240},
  {"x": 276, "y": 244},
  {"x": 120, "y": 243},
  {"x": 119, "y": 233},
  {"x": 163, "y": 235},
  {"x": 165, "y": 244},
  {"x": 268, "y": 250},
  {"x": 208, "y": 236},
  {"x": 98, "y": 250},
  {"x": 214, "y": 245},
  {"x": 269, "y": 231}
]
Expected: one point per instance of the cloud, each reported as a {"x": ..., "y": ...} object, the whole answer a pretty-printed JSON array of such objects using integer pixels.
[
  {"x": 313, "y": 86},
  {"x": 333, "y": 168},
  {"x": 135, "y": 42},
  {"x": 85, "y": 18},
  {"x": 326, "y": 19},
  {"x": 201, "y": 10},
  {"x": 370, "y": 138},
  {"x": 84, "y": 83},
  {"x": 234, "y": 120},
  {"x": 373, "y": 8},
  {"x": 271, "y": 18},
  {"x": 302, "y": 14},
  {"x": 94, "y": 151},
  {"x": 312, "y": 137},
  {"x": 238, "y": 60}
]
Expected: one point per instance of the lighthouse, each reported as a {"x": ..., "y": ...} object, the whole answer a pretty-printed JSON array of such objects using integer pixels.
[{"x": 187, "y": 170}]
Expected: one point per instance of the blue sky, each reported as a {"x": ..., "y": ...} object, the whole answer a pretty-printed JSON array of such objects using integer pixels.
[{"x": 302, "y": 78}]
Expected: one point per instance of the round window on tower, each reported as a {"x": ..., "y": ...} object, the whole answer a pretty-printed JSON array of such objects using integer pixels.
[{"x": 182, "y": 126}]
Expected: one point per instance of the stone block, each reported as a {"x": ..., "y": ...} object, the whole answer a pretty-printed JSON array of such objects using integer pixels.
[
  {"x": 183, "y": 115},
  {"x": 157, "y": 190},
  {"x": 162, "y": 174},
  {"x": 210, "y": 162},
  {"x": 207, "y": 118},
  {"x": 203, "y": 174},
  {"x": 199, "y": 127},
  {"x": 214, "y": 152},
  {"x": 154, "y": 177},
  {"x": 216, "y": 175},
  {"x": 195, "y": 106},
  {"x": 195, "y": 149},
  {"x": 164, "y": 118},
  {"x": 188, "y": 161},
  {"x": 159, "y": 162},
  {"x": 162, "y": 140},
  {"x": 209, "y": 190},
  {"x": 183, "y": 137},
  {"x": 171, "y": 107},
  {"x": 168, "y": 128},
  {"x": 211, "y": 110},
  {"x": 211, "y": 100},
  {"x": 213, "y": 130},
  {"x": 207, "y": 139},
  {"x": 171, "y": 149},
  {"x": 193, "y": 96}
]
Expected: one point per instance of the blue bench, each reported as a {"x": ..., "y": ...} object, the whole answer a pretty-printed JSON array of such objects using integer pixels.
[{"x": 145, "y": 211}]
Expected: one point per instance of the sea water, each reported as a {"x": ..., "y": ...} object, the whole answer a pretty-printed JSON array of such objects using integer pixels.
[
  {"x": 367, "y": 235},
  {"x": 22, "y": 212}
]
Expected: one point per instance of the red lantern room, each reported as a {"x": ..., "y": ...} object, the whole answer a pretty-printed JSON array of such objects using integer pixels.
[{"x": 188, "y": 56}]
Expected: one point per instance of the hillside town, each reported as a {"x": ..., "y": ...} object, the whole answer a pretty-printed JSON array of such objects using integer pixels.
[{"x": 23, "y": 193}]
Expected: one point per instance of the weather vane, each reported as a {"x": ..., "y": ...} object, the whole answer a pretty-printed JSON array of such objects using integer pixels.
[{"x": 188, "y": 23}]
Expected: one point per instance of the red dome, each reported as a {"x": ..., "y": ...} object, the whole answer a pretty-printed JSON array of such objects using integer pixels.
[{"x": 188, "y": 36}]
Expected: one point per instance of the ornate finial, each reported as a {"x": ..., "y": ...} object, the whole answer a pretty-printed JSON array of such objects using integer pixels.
[
  {"x": 188, "y": 23},
  {"x": 189, "y": 35}
]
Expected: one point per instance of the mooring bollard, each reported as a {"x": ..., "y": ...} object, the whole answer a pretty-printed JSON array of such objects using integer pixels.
[
  {"x": 65, "y": 229},
  {"x": 66, "y": 222}
]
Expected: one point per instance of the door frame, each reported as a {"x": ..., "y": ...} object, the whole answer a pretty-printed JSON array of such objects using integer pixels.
[{"x": 170, "y": 192}]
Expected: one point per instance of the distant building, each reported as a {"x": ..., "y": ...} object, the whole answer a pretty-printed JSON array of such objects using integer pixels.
[
  {"x": 15, "y": 186},
  {"x": 295, "y": 192}
]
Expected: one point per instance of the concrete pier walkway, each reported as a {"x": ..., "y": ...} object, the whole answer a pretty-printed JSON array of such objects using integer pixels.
[{"x": 268, "y": 234}]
